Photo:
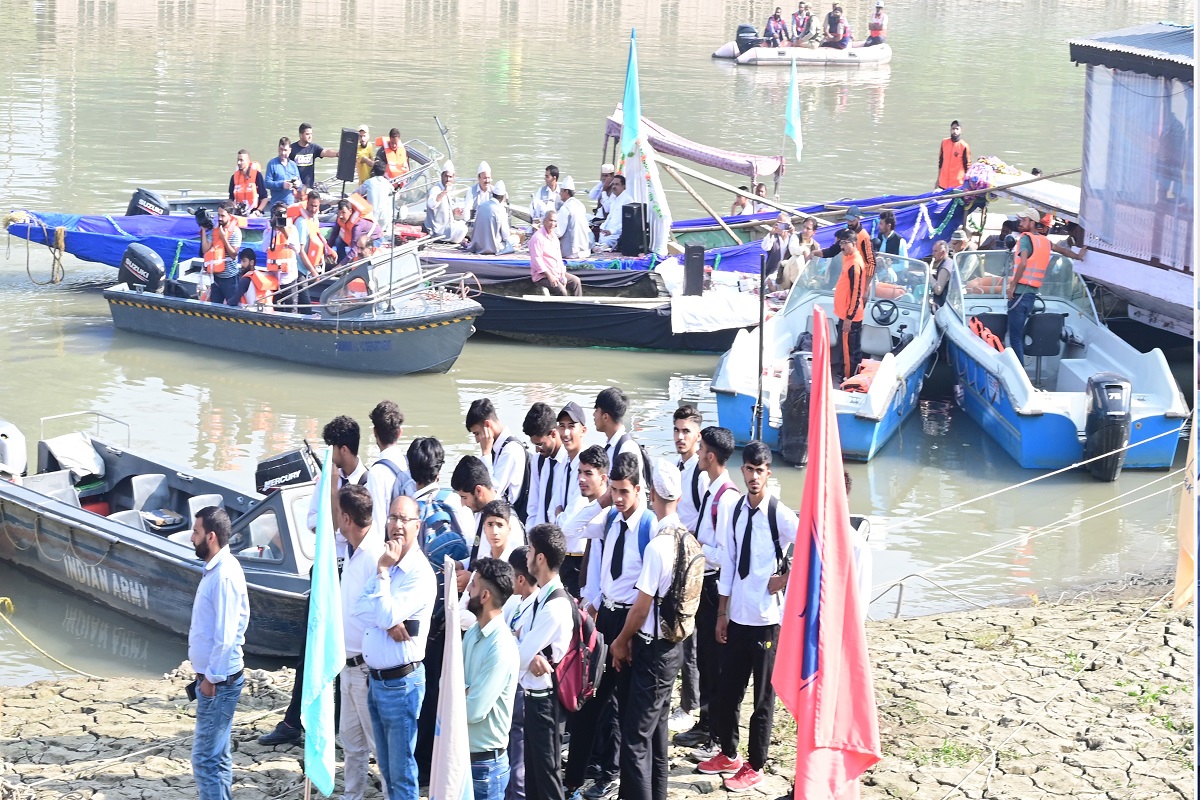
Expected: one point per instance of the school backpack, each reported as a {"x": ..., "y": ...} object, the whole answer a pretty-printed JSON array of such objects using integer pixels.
[
  {"x": 440, "y": 536},
  {"x": 781, "y": 562},
  {"x": 403, "y": 485},
  {"x": 647, "y": 477},
  {"x": 578, "y": 675},
  {"x": 521, "y": 504},
  {"x": 675, "y": 611},
  {"x": 645, "y": 528}
]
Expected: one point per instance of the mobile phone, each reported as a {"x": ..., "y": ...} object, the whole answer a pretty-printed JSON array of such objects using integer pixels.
[
  {"x": 191, "y": 690},
  {"x": 413, "y": 626}
]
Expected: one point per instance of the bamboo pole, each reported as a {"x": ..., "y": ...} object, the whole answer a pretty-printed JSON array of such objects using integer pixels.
[
  {"x": 952, "y": 195},
  {"x": 688, "y": 188},
  {"x": 766, "y": 201}
]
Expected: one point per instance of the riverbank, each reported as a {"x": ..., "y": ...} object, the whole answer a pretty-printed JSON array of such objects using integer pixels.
[{"x": 1088, "y": 699}]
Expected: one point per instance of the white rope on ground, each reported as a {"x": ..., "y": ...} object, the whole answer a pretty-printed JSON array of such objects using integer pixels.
[
  {"x": 994, "y": 751},
  {"x": 1074, "y": 517}
]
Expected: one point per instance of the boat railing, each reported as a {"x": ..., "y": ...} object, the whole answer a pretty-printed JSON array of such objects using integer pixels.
[
  {"x": 985, "y": 275},
  {"x": 98, "y": 416}
]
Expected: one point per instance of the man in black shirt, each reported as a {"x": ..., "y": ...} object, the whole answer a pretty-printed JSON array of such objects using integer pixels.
[{"x": 305, "y": 152}]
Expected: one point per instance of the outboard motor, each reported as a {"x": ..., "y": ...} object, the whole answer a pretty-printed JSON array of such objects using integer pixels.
[
  {"x": 145, "y": 202},
  {"x": 13, "y": 454},
  {"x": 1108, "y": 424},
  {"x": 747, "y": 37},
  {"x": 793, "y": 432},
  {"x": 142, "y": 268},
  {"x": 287, "y": 469}
]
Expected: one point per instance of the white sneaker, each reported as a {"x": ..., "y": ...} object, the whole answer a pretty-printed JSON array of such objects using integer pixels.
[{"x": 680, "y": 720}]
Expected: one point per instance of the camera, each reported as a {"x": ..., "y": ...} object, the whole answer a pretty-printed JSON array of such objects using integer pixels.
[
  {"x": 279, "y": 219},
  {"x": 204, "y": 218}
]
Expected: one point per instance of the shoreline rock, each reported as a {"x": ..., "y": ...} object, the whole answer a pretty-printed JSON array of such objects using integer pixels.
[{"x": 1093, "y": 700}]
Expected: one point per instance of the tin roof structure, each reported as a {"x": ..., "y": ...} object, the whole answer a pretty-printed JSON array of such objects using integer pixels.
[{"x": 1160, "y": 49}]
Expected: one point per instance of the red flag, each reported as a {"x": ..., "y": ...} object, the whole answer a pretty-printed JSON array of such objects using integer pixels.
[{"x": 822, "y": 671}]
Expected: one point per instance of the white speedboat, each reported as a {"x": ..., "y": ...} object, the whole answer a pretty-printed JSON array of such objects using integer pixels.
[
  {"x": 854, "y": 56},
  {"x": 1082, "y": 393}
]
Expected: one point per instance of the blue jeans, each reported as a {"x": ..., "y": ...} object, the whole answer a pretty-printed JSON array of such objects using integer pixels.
[
  {"x": 212, "y": 764},
  {"x": 1019, "y": 309},
  {"x": 394, "y": 706},
  {"x": 490, "y": 778}
]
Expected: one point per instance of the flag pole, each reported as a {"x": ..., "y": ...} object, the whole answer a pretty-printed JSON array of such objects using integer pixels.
[
  {"x": 762, "y": 313},
  {"x": 307, "y": 787}
]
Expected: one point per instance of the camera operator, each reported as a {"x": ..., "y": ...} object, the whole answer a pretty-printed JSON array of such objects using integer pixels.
[
  {"x": 781, "y": 245},
  {"x": 247, "y": 188},
  {"x": 219, "y": 243},
  {"x": 282, "y": 249}
]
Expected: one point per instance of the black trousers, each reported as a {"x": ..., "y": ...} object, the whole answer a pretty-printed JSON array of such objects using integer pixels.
[
  {"x": 708, "y": 651},
  {"x": 570, "y": 574},
  {"x": 851, "y": 346},
  {"x": 543, "y": 746},
  {"x": 644, "y": 762},
  {"x": 749, "y": 652},
  {"x": 435, "y": 651},
  {"x": 689, "y": 684},
  {"x": 516, "y": 750},
  {"x": 596, "y": 724}
]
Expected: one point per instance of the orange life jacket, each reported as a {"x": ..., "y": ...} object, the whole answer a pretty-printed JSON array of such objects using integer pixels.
[
  {"x": 245, "y": 187},
  {"x": 863, "y": 240},
  {"x": 214, "y": 259},
  {"x": 1039, "y": 259},
  {"x": 989, "y": 338},
  {"x": 397, "y": 160},
  {"x": 315, "y": 248},
  {"x": 861, "y": 381},
  {"x": 357, "y": 287},
  {"x": 954, "y": 164},
  {"x": 877, "y": 26},
  {"x": 281, "y": 261},
  {"x": 360, "y": 210},
  {"x": 849, "y": 296}
]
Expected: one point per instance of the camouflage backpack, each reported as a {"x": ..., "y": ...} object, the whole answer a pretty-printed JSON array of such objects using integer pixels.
[{"x": 675, "y": 611}]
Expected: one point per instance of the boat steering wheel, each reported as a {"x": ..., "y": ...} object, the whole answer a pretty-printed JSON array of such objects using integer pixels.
[
  {"x": 1037, "y": 299},
  {"x": 885, "y": 312}
]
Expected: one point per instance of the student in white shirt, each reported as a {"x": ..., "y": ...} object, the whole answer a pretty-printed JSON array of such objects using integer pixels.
[
  {"x": 496, "y": 542},
  {"x": 572, "y": 428},
  {"x": 517, "y": 615},
  {"x": 592, "y": 502},
  {"x": 391, "y": 467},
  {"x": 541, "y": 426},
  {"x": 686, "y": 425},
  {"x": 609, "y": 416},
  {"x": 502, "y": 453},
  {"x": 473, "y": 485},
  {"x": 754, "y": 573}
]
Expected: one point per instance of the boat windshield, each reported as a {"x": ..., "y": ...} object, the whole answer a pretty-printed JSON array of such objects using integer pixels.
[
  {"x": 985, "y": 274},
  {"x": 904, "y": 281}
]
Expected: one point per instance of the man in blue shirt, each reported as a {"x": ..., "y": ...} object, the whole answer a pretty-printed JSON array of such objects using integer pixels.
[
  {"x": 220, "y": 614},
  {"x": 283, "y": 176}
]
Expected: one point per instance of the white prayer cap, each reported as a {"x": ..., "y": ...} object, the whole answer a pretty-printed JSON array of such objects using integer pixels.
[
  {"x": 448, "y": 167},
  {"x": 484, "y": 167},
  {"x": 607, "y": 169},
  {"x": 667, "y": 481},
  {"x": 567, "y": 183},
  {"x": 498, "y": 189}
]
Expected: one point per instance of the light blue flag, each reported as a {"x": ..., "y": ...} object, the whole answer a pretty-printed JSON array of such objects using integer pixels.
[
  {"x": 325, "y": 648},
  {"x": 791, "y": 125},
  {"x": 631, "y": 105}
]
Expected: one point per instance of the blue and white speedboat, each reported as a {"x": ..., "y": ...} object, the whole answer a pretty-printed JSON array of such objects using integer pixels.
[
  {"x": 899, "y": 343},
  {"x": 1082, "y": 393}
]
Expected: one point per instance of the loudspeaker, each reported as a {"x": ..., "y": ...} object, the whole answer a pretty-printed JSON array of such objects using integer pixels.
[
  {"x": 348, "y": 156},
  {"x": 635, "y": 235},
  {"x": 693, "y": 270}
]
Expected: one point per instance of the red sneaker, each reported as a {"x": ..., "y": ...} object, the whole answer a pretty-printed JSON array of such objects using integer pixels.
[
  {"x": 720, "y": 764},
  {"x": 746, "y": 778}
]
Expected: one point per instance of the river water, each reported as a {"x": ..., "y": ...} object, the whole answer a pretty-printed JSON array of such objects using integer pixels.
[{"x": 100, "y": 96}]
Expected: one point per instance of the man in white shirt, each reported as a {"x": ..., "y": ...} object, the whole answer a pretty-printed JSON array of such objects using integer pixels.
[
  {"x": 610, "y": 229},
  {"x": 610, "y": 592},
  {"x": 517, "y": 615},
  {"x": 591, "y": 487},
  {"x": 480, "y": 190},
  {"x": 443, "y": 214},
  {"x": 355, "y": 730},
  {"x": 716, "y": 508},
  {"x": 541, "y": 427},
  {"x": 503, "y": 454},
  {"x": 220, "y": 614},
  {"x": 551, "y": 623},
  {"x": 473, "y": 485},
  {"x": 754, "y": 573},
  {"x": 572, "y": 428},
  {"x": 686, "y": 425},
  {"x": 609, "y": 416},
  {"x": 600, "y": 194},
  {"x": 395, "y": 608},
  {"x": 572, "y": 223},
  {"x": 651, "y": 661},
  {"x": 388, "y": 477},
  {"x": 546, "y": 197}
]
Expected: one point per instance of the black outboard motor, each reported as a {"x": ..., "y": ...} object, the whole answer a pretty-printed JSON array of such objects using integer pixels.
[
  {"x": 1108, "y": 424},
  {"x": 145, "y": 202},
  {"x": 287, "y": 469},
  {"x": 142, "y": 268},
  {"x": 793, "y": 433},
  {"x": 747, "y": 37}
]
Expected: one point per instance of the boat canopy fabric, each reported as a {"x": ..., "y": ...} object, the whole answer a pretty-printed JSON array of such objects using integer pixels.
[
  {"x": 819, "y": 208},
  {"x": 74, "y": 451},
  {"x": 672, "y": 144}
]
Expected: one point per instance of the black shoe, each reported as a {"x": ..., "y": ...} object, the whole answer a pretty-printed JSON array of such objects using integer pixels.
[
  {"x": 283, "y": 734},
  {"x": 694, "y": 737},
  {"x": 601, "y": 790},
  {"x": 593, "y": 772}
]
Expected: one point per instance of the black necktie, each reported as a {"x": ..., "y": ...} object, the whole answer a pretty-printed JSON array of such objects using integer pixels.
[
  {"x": 703, "y": 506},
  {"x": 681, "y": 465},
  {"x": 744, "y": 557},
  {"x": 549, "y": 489},
  {"x": 567, "y": 487},
  {"x": 618, "y": 553},
  {"x": 478, "y": 541}
]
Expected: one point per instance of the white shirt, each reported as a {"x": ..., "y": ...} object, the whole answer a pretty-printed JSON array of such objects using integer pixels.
[
  {"x": 598, "y": 195},
  {"x": 749, "y": 602},
  {"x": 544, "y": 199},
  {"x": 712, "y": 537},
  {"x": 381, "y": 481},
  {"x": 572, "y": 229},
  {"x": 612, "y": 223},
  {"x": 575, "y": 520},
  {"x": 695, "y": 484},
  {"x": 404, "y": 592},
  {"x": 601, "y": 585},
  {"x": 544, "y": 491},
  {"x": 507, "y": 466},
  {"x": 629, "y": 446},
  {"x": 671, "y": 520},
  {"x": 566, "y": 486},
  {"x": 476, "y": 539},
  {"x": 343, "y": 547},
  {"x": 220, "y": 614},
  {"x": 658, "y": 568},
  {"x": 550, "y": 625},
  {"x": 358, "y": 570},
  {"x": 517, "y": 612}
]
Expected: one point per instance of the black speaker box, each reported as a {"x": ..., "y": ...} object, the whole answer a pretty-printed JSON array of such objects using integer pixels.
[
  {"x": 348, "y": 156},
  {"x": 693, "y": 270},
  {"x": 635, "y": 234}
]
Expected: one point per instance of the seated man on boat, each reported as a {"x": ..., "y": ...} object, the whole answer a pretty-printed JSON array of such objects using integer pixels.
[
  {"x": 839, "y": 35},
  {"x": 572, "y": 226},
  {"x": 942, "y": 267},
  {"x": 480, "y": 191},
  {"x": 831, "y": 19},
  {"x": 610, "y": 230},
  {"x": 741, "y": 205},
  {"x": 392, "y": 155},
  {"x": 601, "y": 194},
  {"x": 877, "y": 26},
  {"x": 492, "y": 236},
  {"x": 889, "y": 241},
  {"x": 219, "y": 243},
  {"x": 546, "y": 197},
  {"x": 380, "y": 193},
  {"x": 546, "y": 263},
  {"x": 776, "y": 30},
  {"x": 443, "y": 214},
  {"x": 247, "y": 188},
  {"x": 803, "y": 25},
  {"x": 355, "y": 219}
]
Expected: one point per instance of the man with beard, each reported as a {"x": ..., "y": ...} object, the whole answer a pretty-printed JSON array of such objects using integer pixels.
[
  {"x": 953, "y": 159},
  {"x": 220, "y": 614}
]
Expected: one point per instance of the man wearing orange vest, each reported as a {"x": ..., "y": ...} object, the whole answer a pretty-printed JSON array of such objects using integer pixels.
[
  {"x": 220, "y": 243},
  {"x": 313, "y": 247},
  {"x": 355, "y": 219},
  {"x": 877, "y": 27},
  {"x": 247, "y": 188},
  {"x": 862, "y": 242},
  {"x": 953, "y": 159},
  {"x": 283, "y": 249},
  {"x": 393, "y": 155},
  {"x": 849, "y": 300},
  {"x": 1029, "y": 270}
]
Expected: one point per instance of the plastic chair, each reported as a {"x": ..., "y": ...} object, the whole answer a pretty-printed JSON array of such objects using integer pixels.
[
  {"x": 1043, "y": 337},
  {"x": 131, "y": 518},
  {"x": 202, "y": 501},
  {"x": 150, "y": 491}
]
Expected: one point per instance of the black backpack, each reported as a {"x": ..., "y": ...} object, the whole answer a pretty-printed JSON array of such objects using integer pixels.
[
  {"x": 647, "y": 477},
  {"x": 772, "y": 505},
  {"x": 520, "y": 505}
]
